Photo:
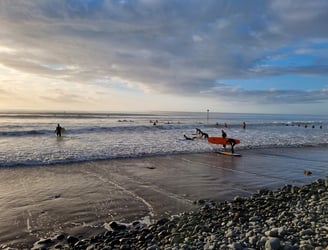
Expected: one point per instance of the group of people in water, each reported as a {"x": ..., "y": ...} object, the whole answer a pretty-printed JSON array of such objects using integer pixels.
[
  {"x": 202, "y": 135},
  {"x": 305, "y": 126}
]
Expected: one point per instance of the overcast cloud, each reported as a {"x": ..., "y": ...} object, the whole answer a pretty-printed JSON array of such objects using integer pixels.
[{"x": 171, "y": 46}]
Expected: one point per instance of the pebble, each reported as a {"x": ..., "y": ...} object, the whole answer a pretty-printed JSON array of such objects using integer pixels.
[
  {"x": 290, "y": 218},
  {"x": 272, "y": 244}
]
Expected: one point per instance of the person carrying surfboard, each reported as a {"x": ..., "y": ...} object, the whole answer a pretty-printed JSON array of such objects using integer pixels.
[
  {"x": 230, "y": 141},
  {"x": 224, "y": 135},
  {"x": 58, "y": 130}
]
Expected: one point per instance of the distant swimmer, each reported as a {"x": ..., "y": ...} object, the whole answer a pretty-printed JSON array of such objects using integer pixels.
[
  {"x": 58, "y": 130},
  {"x": 244, "y": 125},
  {"x": 155, "y": 122}
]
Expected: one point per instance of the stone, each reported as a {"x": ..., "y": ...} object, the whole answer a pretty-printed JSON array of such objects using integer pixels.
[
  {"x": 272, "y": 244},
  {"x": 254, "y": 218},
  {"x": 236, "y": 246},
  {"x": 176, "y": 239},
  {"x": 72, "y": 240},
  {"x": 307, "y": 232},
  {"x": 272, "y": 233},
  {"x": 153, "y": 247}
]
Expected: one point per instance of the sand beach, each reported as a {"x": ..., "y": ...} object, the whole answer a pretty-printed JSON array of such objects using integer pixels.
[{"x": 82, "y": 199}]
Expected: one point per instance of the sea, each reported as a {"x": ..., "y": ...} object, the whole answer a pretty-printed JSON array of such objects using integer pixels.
[
  {"x": 78, "y": 183},
  {"x": 28, "y": 138}
]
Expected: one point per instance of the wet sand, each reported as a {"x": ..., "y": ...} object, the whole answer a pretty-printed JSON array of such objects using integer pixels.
[{"x": 79, "y": 199}]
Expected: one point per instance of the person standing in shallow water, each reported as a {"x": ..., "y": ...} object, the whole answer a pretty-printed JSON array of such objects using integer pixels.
[
  {"x": 224, "y": 135},
  {"x": 58, "y": 130},
  {"x": 244, "y": 125}
]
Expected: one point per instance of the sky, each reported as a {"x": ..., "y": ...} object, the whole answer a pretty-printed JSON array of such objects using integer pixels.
[{"x": 164, "y": 55}]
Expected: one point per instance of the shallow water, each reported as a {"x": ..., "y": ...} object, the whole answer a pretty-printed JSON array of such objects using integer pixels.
[
  {"x": 29, "y": 139},
  {"x": 39, "y": 202}
]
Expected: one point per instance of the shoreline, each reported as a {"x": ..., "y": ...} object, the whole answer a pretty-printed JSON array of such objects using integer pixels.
[
  {"x": 289, "y": 218},
  {"x": 78, "y": 199},
  {"x": 240, "y": 150}
]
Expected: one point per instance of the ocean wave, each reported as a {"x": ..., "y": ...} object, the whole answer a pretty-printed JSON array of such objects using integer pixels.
[
  {"x": 73, "y": 115},
  {"x": 33, "y": 142},
  {"x": 16, "y": 133},
  {"x": 81, "y": 159}
]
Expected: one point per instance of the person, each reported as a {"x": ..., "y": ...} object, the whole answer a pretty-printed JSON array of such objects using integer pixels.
[
  {"x": 201, "y": 134},
  {"x": 58, "y": 130},
  {"x": 229, "y": 141},
  {"x": 189, "y": 138},
  {"x": 232, "y": 143},
  {"x": 198, "y": 131},
  {"x": 244, "y": 125},
  {"x": 224, "y": 135}
]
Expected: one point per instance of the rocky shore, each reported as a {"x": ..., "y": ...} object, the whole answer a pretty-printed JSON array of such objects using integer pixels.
[{"x": 289, "y": 218}]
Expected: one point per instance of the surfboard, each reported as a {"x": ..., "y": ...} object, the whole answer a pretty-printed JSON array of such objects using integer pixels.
[
  {"x": 62, "y": 130},
  {"x": 229, "y": 153},
  {"x": 221, "y": 140}
]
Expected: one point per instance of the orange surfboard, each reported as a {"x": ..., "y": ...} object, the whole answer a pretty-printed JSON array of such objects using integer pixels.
[{"x": 221, "y": 140}]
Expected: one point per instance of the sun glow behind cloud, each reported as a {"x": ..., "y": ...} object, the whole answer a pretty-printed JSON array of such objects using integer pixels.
[{"x": 164, "y": 55}]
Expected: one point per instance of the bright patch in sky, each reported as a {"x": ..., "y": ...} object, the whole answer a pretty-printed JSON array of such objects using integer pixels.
[{"x": 139, "y": 55}]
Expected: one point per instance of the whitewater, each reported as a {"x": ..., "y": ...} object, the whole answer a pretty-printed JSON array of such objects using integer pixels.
[{"x": 28, "y": 138}]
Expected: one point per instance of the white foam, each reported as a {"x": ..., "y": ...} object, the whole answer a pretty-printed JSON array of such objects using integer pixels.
[{"x": 100, "y": 138}]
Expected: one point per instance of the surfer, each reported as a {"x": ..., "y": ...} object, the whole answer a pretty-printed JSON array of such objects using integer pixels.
[
  {"x": 244, "y": 125},
  {"x": 189, "y": 138},
  {"x": 201, "y": 134},
  {"x": 58, "y": 130},
  {"x": 230, "y": 141},
  {"x": 224, "y": 135}
]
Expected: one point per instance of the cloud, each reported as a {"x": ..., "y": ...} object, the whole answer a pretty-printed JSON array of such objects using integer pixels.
[
  {"x": 179, "y": 47},
  {"x": 238, "y": 94}
]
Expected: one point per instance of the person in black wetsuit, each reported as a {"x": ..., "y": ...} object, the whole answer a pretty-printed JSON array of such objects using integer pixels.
[
  {"x": 58, "y": 130},
  {"x": 224, "y": 134},
  {"x": 189, "y": 138},
  {"x": 232, "y": 142}
]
